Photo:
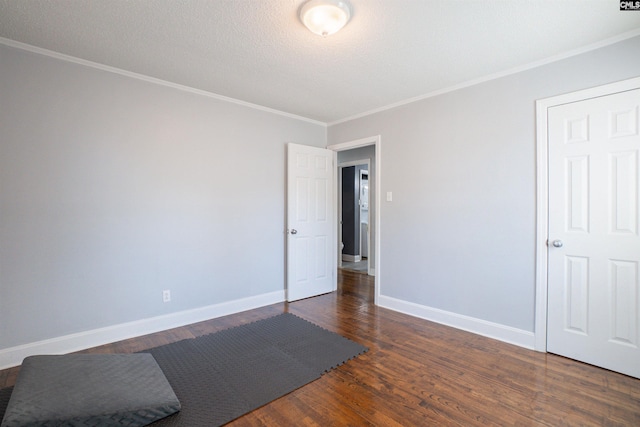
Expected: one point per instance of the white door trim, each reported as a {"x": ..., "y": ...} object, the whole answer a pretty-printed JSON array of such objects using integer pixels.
[
  {"x": 542, "y": 193},
  {"x": 363, "y": 142}
]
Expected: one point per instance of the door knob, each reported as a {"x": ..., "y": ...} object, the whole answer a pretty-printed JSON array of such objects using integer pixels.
[
  {"x": 557, "y": 243},
  {"x": 294, "y": 231}
]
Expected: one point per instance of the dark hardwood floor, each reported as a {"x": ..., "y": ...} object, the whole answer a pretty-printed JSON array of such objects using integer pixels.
[{"x": 419, "y": 373}]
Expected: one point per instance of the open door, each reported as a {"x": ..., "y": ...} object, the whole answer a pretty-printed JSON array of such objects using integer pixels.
[{"x": 311, "y": 247}]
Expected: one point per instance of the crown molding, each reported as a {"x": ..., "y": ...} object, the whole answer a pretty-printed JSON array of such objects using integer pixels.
[
  {"x": 515, "y": 70},
  {"x": 160, "y": 82}
]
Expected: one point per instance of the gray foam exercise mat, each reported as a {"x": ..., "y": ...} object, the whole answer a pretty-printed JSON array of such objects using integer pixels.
[
  {"x": 224, "y": 375},
  {"x": 89, "y": 390}
]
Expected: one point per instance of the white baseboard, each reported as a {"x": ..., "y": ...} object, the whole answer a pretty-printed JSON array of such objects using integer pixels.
[
  {"x": 351, "y": 258},
  {"x": 372, "y": 271},
  {"x": 75, "y": 342},
  {"x": 496, "y": 331}
]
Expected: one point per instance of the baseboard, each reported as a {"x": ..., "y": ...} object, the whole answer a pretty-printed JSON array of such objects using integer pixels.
[
  {"x": 372, "y": 271},
  {"x": 351, "y": 258},
  {"x": 496, "y": 331},
  {"x": 75, "y": 342}
]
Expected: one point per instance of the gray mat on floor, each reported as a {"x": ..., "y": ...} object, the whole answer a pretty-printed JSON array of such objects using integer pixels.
[
  {"x": 90, "y": 390},
  {"x": 222, "y": 376}
]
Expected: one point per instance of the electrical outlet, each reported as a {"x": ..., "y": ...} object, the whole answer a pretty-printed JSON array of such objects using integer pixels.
[{"x": 166, "y": 295}]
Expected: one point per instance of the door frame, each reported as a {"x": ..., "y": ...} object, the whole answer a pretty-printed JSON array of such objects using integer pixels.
[
  {"x": 542, "y": 193},
  {"x": 340, "y": 167},
  {"x": 349, "y": 145},
  {"x": 368, "y": 233}
]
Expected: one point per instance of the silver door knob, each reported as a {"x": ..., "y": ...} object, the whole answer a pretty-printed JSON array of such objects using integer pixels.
[
  {"x": 557, "y": 243},
  {"x": 294, "y": 231}
]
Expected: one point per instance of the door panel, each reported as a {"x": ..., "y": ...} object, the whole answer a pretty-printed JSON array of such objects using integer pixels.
[
  {"x": 310, "y": 215},
  {"x": 594, "y": 246}
]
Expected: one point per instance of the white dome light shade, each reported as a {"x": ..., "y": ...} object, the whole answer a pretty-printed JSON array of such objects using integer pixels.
[{"x": 325, "y": 17}]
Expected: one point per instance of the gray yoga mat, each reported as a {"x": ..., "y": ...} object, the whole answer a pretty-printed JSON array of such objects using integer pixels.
[{"x": 222, "y": 376}]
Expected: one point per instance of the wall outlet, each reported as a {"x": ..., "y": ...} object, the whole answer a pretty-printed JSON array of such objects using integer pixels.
[{"x": 166, "y": 295}]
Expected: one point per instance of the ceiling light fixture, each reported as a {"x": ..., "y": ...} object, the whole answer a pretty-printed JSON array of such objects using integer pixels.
[{"x": 325, "y": 17}]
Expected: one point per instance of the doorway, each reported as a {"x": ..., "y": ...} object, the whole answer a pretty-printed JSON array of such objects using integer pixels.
[
  {"x": 357, "y": 150},
  {"x": 353, "y": 211}
]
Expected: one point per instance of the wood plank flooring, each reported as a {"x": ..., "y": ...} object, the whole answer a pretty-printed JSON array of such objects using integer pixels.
[{"x": 418, "y": 373}]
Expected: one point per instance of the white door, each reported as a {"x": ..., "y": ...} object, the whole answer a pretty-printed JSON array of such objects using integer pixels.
[
  {"x": 311, "y": 249},
  {"x": 594, "y": 243}
]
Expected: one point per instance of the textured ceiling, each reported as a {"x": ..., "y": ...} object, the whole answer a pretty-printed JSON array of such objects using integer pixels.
[{"x": 257, "y": 51}]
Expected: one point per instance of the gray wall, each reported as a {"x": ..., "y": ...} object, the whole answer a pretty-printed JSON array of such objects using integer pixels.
[
  {"x": 459, "y": 234},
  {"x": 113, "y": 189}
]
